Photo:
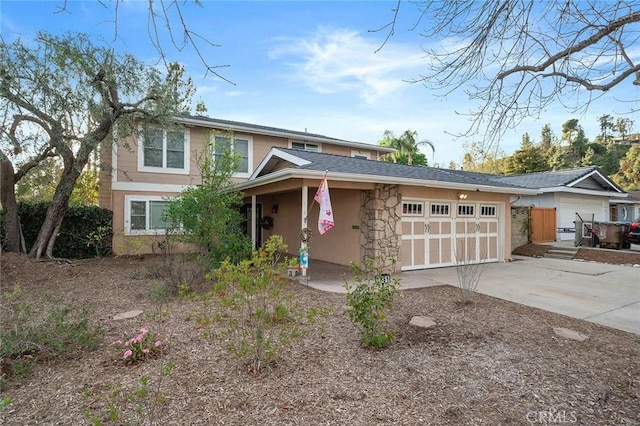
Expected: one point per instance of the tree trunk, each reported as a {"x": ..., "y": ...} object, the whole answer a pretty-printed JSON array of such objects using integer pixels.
[
  {"x": 10, "y": 219},
  {"x": 55, "y": 215}
]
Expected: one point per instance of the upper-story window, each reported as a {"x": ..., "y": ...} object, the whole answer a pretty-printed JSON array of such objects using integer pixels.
[
  {"x": 164, "y": 151},
  {"x": 361, "y": 154},
  {"x": 240, "y": 146},
  {"x": 306, "y": 146}
]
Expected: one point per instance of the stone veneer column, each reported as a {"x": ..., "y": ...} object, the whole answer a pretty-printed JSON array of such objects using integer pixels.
[{"x": 380, "y": 227}]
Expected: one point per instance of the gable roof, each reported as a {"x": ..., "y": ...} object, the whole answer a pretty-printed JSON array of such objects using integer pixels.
[
  {"x": 581, "y": 179},
  {"x": 240, "y": 127},
  {"x": 314, "y": 164}
]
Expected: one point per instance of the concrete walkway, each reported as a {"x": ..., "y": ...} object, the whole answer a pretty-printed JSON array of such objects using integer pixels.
[{"x": 600, "y": 293}]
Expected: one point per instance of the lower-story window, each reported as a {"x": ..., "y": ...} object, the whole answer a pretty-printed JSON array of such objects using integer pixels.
[{"x": 146, "y": 215}]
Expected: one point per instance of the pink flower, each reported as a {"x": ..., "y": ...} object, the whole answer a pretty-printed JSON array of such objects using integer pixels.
[
  {"x": 144, "y": 330},
  {"x": 127, "y": 354},
  {"x": 117, "y": 342},
  {"x": 158, "y": 343},
  {"x": 145, "y": 351},
  {"x": 139, "y": 338}
]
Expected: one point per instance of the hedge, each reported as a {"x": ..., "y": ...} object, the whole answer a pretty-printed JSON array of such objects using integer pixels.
[{"x": 86, "y": 231}]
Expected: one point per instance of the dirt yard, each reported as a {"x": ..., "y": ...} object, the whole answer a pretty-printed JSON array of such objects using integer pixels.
[{"x": 488, "y": 363}]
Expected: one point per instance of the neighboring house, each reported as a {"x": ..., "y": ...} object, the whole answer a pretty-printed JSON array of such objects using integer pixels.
[
  {"x": 626, "y": 210},
  {"x": 584, "y": 191},
  {"x": 627, "y": 139},
  {"x": 419, "y": 216}
]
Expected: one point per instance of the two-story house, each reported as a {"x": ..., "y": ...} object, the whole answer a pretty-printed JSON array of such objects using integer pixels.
[{"x": 420, "y": 216}]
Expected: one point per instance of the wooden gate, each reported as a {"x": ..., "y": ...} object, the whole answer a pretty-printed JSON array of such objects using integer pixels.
[{"x": 543, "y": 224}]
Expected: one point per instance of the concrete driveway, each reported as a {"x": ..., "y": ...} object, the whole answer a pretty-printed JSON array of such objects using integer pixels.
[{"x": 600, "y": 293}]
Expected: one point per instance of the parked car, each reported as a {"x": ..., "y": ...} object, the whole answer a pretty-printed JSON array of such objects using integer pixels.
[{"x": 633, "y": 236}]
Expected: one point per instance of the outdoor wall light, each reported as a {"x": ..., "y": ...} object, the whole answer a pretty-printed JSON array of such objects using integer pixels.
[
  {"x": 462, "y": 196},
  {"x": 274, "y": 209}
]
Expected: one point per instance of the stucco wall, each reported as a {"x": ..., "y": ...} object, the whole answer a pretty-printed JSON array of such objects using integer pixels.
[{"x": 340, "y": 245}]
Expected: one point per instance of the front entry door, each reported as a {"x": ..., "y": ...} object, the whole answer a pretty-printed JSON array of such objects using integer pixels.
[{"x": 246, "y": 223}]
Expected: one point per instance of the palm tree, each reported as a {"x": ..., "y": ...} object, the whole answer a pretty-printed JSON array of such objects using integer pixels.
[{"x": 406, "y": 145}]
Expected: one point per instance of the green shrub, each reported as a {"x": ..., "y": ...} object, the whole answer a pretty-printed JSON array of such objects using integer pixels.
[
  {"x": 86, "y": 231},
  {"x": 128, "y": 406},
  {"x": 263, "y": 318},
  {"x": 370, "y": 301},
  {"x": 42, "y": 329}
]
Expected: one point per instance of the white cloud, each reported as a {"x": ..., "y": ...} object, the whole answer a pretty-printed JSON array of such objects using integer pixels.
[{"x": 341, "y": 60}]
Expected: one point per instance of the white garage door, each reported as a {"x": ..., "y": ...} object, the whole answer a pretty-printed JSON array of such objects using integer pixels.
[
  {"x": 436, "y": 234},
  {"x": 587, "y": 208}
]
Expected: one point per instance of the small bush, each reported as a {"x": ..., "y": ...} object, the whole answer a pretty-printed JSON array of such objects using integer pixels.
[
  {"x": 140, "y": 347},
  {"x": 370, "y": 301},
  {"x": 263, "y": 318},
  {"x": 469, "y": 271},
  {"x": 128, "y": 406},
  {"x": 43, "y": 329}
]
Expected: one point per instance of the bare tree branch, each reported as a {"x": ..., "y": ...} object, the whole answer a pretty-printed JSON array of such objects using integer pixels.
[{"x": 515, "y": 58}]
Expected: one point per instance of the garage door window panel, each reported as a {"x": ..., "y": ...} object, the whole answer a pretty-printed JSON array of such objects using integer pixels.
[
  {"x": 466, "y": 210},
  {"x": 488, "y": 211},
  {"x": 413, "y": 209},
  {"x": 440, "y": 210}
]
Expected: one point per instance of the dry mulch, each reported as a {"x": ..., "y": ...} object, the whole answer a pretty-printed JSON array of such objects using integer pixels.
[{"x": 489, "y": 362}]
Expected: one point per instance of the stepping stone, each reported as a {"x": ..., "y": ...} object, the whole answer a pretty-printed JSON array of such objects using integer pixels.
[
  {"x": 422, "y": 322},
  {"x": 127, "y": 315},
  {"x": 569, "y": 334}
]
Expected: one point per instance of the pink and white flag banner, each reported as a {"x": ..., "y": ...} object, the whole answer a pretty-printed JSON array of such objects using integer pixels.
[{"x": 325, "y": 218}]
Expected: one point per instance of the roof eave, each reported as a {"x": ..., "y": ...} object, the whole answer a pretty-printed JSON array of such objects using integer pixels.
[
  {"x": 291, "y": 173},
  {"x": 212, "y": 123},
  {"x": 572, "y": 190}
]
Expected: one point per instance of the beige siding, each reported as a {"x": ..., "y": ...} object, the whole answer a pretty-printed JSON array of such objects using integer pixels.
[
  {"x": 105, "y": 174},
  {"x": 341, "y": 245}
]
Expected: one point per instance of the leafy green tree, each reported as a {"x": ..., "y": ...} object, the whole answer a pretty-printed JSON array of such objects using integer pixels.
[
  {"x": 623, "y": 126},
  {"x": 208, "y": 215},
  {"x": 606, "y": 127},
  {"x": 407, "y": 148},
  {"x": 62, "y": 96},
  {"x": 576, "y": 143},
  {"x": 527, "y": 159},
  {"x": 629, "y": 175}
]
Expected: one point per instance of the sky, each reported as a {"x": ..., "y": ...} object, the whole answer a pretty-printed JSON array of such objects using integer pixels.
[{"x": 309, "y": 66}]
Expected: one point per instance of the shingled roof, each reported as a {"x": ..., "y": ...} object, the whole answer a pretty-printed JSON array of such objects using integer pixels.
[
  {"x": 557, "y": 179},
  {"x": 552, "y": 178},
  {"x": 239, "y": 126},
  {"x": 376, "y": 171}
]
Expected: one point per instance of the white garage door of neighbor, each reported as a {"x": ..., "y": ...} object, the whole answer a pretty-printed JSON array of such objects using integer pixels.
[
  {"x": 444, "y": 233},
  {"x": 587, "y": 209}
]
